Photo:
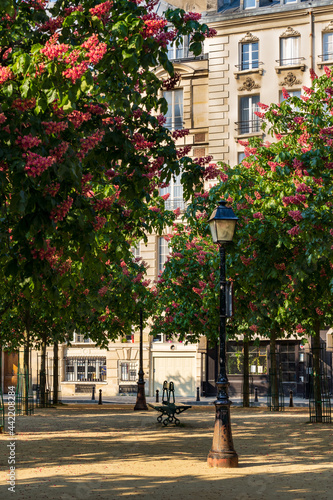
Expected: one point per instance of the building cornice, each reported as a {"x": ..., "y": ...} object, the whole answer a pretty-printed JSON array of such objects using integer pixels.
[{"x": 264, "y": 15}]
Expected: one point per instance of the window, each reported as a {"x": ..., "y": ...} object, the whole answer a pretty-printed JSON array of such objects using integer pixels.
[
  {"x": 175, "y": 190},
  {"x": 257, "y": 360},
  {"x": 79, "y": 338},
  {"x": 327, "y": 46},
  {"x": 180, "y": 52},
  {"x": 290, "y": 1},
  {"x": 249, "y": 122},
  {"x": 163, "y": 252},
  {"x": 79, "y": 369},
  {"x": 249, "y": 55},
  {"x": 158, "y": 337},
  {"x": 292, "y": 93},
  {"x": 289, "y": 51},
  {"x": 249, "y": 4},
  {"x": 288, "y": 362},
  {"x": 174, "y": 115},
  {"x": 241, "y": 157},
  {"x": 128, "y": 371},
  {"x": 135, "y": 249}
]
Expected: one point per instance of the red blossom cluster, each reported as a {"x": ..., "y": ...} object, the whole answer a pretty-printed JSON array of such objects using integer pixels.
[
  {"x": 96, "y": 50},
  {"x": 303, "y": 188},
  {"x": 54, "y": 127},
  {"x": 294, "y": 231},
  {"x": 171, "y": 82},
  {"x": 181, "y": 152},
  {"x": 5, "y": 74},
  {"x": 296, "y": 215},
  {"x": 53, "y": 50},
  {"x": 178, "y": 134},
  {"x": 99, "y": 222},
  {"x": 51, "y": 25},
  {"x": 78, "y": 117},
  {"x": 141, "y": 143},
  {"x": 98, "y": 109},
  {"x": 3, "y": 118},
  {"x": 76, "y": 72},
  {"x": 258, "y": 215},
  {"x": 105, "y": 204},
  {"x": 191, "y": 16},
  {"x": 90, "y": 142},
  {"x": 52, "y": 189},
  {"x": 153, "y": 26},
  {"x": 60, "y": 150},
  {"x": 101, "y": 10},
  {"x": 69, "y": 10},
  {"x": 36, "y": 164},
  {"x": 294, "y": 200},
  {"x": 60, "y": 212},
  {"x": 27, "y": 141},
  {"x": 24, "y": 104}
]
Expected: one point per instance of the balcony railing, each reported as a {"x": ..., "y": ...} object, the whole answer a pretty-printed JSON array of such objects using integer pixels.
[
  {"x": 246, "y": 66},
  {"x": 248, "y": 127},
  {"x": 294, "y": 61},
  {"x": 173, "y": 203},
  {"x": 328, "y": 56}
]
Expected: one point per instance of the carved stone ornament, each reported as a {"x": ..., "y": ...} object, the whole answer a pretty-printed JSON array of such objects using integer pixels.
[
  {"x": 249, "y": 38},
  {"x": 290, "y": 80},
  {"x": 249, "y": 84},
  {"x": 328, "y": 28},
  {"x": 290, "y": 32}
]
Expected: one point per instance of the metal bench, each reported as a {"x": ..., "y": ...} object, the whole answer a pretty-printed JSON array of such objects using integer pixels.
[{"x": 168, "y": 408}]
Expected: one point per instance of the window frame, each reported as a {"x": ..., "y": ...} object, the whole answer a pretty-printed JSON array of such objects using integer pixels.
[
  {"x": 72, "y": 363},
  {"x": 253, "y": 122},
  {"x": 327, "y": 56},
  {"x": 176, "y": 122},
  {"x": 294, "y": 42},
  {"x": 163, "y": 252},
  {"x": 252, "y": 64}
]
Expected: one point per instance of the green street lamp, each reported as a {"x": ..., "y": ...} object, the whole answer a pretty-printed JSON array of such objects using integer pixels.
[{"x": 222, "y": 224}]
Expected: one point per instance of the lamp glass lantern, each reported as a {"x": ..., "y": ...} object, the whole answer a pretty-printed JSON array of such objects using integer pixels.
[{"x": 222, "y": 223}]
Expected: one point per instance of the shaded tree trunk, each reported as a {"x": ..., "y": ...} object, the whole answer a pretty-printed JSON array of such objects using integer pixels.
[
  {"x": 246, "y": 375},
  {"x": 274, "y": 373},
  {"x": 42, "y": 374},
  {"x": 55, "y": 372},
  {"x": 316, "y": 371},
  {"x": 25, "y": 374}
]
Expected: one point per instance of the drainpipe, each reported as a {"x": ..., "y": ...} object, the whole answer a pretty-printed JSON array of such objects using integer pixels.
[{"x": 312, "y": 39}]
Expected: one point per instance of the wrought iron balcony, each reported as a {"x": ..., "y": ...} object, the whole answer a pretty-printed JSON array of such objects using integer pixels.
[
  {"x": 174, "y": 203},
  {"x": 248, "y": 127},
  {"x": 295, "y": 61},
  {"x": 248, "y": 66}
]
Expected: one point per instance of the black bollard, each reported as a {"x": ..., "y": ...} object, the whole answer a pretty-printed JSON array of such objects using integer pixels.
[
  {"x": 256, "y": 394},
  {"x": 47, "y": 397},
  {"x": 93, "y": 394},
  {"x": 291, "y": 399},
  {"x": 198, "y": 394},
  {"x": 100, "y": 397},
  {"x": 157, "y": 395}
]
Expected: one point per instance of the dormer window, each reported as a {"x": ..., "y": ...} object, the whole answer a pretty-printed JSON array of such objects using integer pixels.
[{"x": 249, "y": 4}]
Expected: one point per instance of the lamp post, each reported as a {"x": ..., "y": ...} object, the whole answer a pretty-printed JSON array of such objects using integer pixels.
[
  {"x": 141, "y": 397},
  {"x": 222, "y": 454}
]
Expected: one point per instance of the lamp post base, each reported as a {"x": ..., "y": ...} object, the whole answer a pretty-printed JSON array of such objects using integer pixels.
[
  {"x": 141, "y": 398},
  {"x": 222, "y": 453}
]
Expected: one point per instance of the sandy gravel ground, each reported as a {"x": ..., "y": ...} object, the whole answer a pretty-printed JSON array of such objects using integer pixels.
[{"x": 107, "y": 452}]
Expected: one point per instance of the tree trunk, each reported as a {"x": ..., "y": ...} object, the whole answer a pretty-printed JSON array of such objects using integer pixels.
[
  {"x": 55, "y": 373},
  {"x": 42, "y": 374},
  {"x": 25, "y": 374},
  {"x": 316, "y": 372},
  {"x": 246, "y": 375},
  {"x": 274, "y": 374}
]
